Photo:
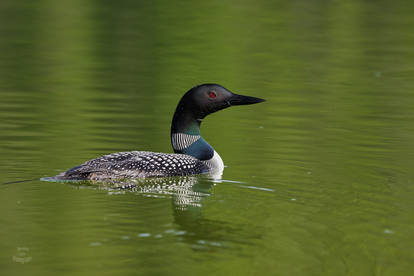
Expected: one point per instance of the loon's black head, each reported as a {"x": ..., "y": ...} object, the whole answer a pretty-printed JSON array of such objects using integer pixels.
[
  {"x": 201, "y": 101},
  {"x": 205, "y": 99}
]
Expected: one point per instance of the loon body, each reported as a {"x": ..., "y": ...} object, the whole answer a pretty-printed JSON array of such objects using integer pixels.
[{"x": 193, "y": 155}]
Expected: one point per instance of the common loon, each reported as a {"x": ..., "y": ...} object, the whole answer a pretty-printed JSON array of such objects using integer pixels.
[{"x": 193, "y": 155}]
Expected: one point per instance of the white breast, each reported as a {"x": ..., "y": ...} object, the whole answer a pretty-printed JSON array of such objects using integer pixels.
[{"x": 215, "y": 163}]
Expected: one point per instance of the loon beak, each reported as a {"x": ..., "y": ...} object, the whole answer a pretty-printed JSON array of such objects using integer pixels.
[{"x": 236, "y": 99}]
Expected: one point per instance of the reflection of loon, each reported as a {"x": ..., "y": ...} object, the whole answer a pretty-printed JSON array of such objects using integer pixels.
[
  {"x": 192, "y": 222},
  {"x": 193, "y": 155},
  {"x": 186, "y": 191}
]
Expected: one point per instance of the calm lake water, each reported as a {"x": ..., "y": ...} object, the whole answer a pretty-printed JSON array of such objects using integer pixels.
[{"x": 319, "y": 178}]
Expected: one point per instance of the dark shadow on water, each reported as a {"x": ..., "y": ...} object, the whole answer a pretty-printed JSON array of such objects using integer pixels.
[{"x": 20, "y": 181}]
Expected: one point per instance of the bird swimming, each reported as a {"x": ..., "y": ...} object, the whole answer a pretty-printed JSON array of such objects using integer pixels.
[{"x": 192, "y": 154}]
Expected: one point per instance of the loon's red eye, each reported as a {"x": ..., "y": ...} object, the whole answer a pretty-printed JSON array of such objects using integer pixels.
[{"x": 211, "y": 94}]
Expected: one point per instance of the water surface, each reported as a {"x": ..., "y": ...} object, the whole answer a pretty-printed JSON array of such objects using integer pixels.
[{"x": 319, "y": 178}]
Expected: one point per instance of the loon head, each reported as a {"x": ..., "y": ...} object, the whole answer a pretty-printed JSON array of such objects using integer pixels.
[
  {"x": 196, "y": 104},
  {"x": 205, "y": 99}
]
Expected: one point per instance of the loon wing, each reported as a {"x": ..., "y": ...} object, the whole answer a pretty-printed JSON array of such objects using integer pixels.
[{"x": 135, "y": 164}]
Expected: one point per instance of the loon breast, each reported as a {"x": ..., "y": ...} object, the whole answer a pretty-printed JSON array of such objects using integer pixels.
[{"x": 136, "y": 164}]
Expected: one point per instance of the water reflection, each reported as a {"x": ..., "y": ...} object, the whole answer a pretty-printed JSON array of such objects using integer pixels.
[
  {"x": 185, "y": 191},
  {"x": 190, "y": 223}
]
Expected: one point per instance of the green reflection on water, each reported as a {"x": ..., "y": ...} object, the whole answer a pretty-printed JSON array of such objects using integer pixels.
[{"x": 320, "y": 176}]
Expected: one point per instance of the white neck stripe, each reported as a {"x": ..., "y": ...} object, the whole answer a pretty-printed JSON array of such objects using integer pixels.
[{"x": 182, "y": 141}]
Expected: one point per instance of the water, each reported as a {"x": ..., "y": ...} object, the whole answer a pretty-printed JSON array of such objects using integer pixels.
[{"x": 319, "y": 179}]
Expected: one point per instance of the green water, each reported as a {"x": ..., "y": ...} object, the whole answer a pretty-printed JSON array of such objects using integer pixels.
[{"x": 319, "y": 178}]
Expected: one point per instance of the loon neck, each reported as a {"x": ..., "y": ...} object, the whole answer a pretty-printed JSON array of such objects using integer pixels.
[
  {"x": 186, "y": 136},
  {"x": 184, "y": 121}
]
